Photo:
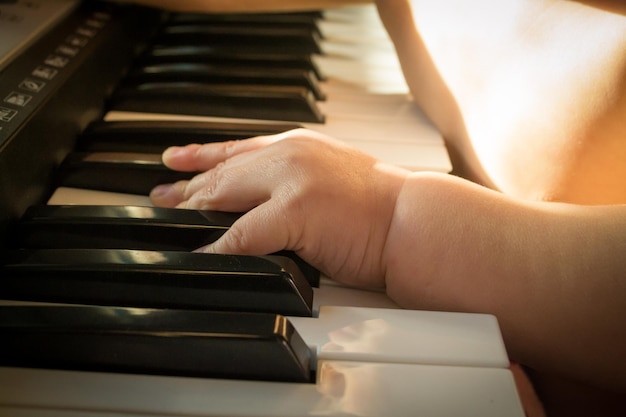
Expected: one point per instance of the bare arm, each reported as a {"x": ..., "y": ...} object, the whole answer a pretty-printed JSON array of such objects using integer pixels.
[
  {"x": 530, "y": 94},
  {"x": 553, "y": 274}
]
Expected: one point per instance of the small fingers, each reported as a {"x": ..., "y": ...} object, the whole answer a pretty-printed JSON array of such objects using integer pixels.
[
  {"x": 238, "y": 175},
  {"x": 236, "y": 184},
  {"x": 227, "y": 187},
  {"x": 209, "y": 158}
]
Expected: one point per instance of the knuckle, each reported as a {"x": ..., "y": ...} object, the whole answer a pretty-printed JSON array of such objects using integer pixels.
[
  {"x": 229, "y": 148},
  {"x": 237, "y": 240},
  {"x": 205, "y": 189},
  {"x": 214, "y": 178}
]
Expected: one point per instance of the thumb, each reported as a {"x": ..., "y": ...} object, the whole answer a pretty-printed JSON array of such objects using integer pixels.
[{"x": 260, "y": 231}]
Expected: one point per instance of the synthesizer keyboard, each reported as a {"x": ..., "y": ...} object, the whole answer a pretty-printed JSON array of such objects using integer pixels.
[{"x": 365, "y": 356}]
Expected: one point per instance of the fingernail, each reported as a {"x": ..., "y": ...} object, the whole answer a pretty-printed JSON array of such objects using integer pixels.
[
  {"x": 204, "y": 249},
  {"x": 172, "y": 152},
  {"x": 160, "y": 190}
]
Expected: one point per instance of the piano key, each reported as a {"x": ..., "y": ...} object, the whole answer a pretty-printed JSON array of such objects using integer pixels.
[
  {"x": 269, "y": 38},
  {"x": 229, "y": 55},
  {"x": 389, "y": 335},
  {"x": 285, "y": 103},
  {"x": 130, "y": 227},
  {"x": 155, "y": 137},
  {"x": 111, "y": 227},
  {"x": 292, "y": 20},
  {"x": 82, "y": 196},
  {"x": 166, "y": 342},
  {"x": 156, "y": 279},
  {"x": 131, "y": 173},
  {"x": 279, "y": 18},
  {"x": 342, "y": 389},
  {"x": 223, "y": 74},
  {"x": 357, "y": 50},
  {"x": 486, "y": 388},
  {"x": 392, "y": 335}
]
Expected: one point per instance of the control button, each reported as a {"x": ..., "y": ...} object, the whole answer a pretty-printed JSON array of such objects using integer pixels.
[
  {"x": 32, "y": 85},
  {"x": 98, "y": 24},
  {"x": 67, "y": 50},
  {"x": 76, "y": 40},
  {"x": 18, "y": 99},
  {"x": 7, "y": 114},
  {"x": 87, "y": 32},
  {"x": 56, "y": 61},
  {"x": 46, "y": 73}
]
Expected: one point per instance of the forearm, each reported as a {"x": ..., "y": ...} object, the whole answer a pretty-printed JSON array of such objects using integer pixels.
[
  {"x": 220, "y": 6},
  {"x": 553, "y": 274}
]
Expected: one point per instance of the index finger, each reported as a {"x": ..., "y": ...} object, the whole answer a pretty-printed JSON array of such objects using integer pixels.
[{"x": 196, "y": 157}]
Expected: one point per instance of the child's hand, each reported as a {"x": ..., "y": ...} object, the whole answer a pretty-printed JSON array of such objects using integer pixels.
[{"x": 301, "y": 191}]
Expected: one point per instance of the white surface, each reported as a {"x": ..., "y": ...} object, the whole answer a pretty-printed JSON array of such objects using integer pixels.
[
  {"x": 403, "y": 336},
  {"x": 343, "y": 389},
  {"x": 76, "y": 196}
]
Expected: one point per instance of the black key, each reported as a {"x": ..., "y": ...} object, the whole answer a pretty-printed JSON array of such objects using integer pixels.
[
  {"x": 305, "y": 21},
  {"x": 224, "y": 75},
  {"x": 243, "y": 55},
  {"x": 157, "y": 279},
  {"x": 130, "y": 227},
  {"x": 295, "y": 104},
  {"x": 156, "y": 136},
  {"x": 279, "y": 18},
  {"x": 129, "y": 173},
  {"x": 277, "y": 39},
  {"x": 120, "y": 227},
  {"x": 167, "y": 342}
]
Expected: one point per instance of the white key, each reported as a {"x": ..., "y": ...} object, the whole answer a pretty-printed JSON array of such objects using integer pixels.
[
  {"x": 342, "y": 389},
  {"x": 76, "y": 196},
  {"x": 403, "y": 336}
]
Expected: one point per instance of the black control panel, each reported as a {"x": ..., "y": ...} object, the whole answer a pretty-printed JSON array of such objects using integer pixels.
[
  {"x": 37, "y": 73},
  {"x": 54, "y": 88}
]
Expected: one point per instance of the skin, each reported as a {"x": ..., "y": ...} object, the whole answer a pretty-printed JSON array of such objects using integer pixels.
[{"x": 530, "y": 96}]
